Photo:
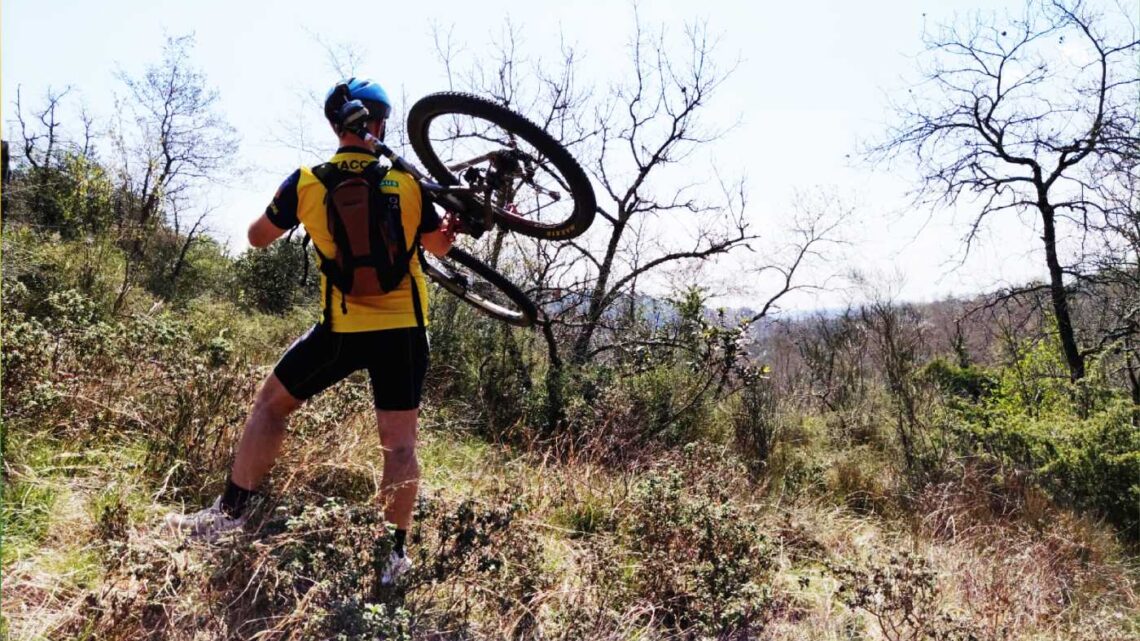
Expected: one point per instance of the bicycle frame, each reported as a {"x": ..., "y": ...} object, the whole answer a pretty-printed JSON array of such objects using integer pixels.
[
  {"x": 480, "y": 193},
  {"x": 457, "y": 199},
  {"x": 450, "y": 197}
]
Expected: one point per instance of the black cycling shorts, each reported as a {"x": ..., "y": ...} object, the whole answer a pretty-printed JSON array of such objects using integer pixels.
[{"x": 396, "y": 360}]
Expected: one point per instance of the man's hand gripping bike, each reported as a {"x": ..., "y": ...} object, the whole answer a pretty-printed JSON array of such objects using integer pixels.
[{"x": 491, "y": 167}]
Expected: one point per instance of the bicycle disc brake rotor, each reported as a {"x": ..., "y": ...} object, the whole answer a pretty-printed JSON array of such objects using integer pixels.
[{"x": 502, "y": 169}]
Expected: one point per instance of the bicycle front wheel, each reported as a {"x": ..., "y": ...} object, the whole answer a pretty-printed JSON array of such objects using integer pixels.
[
  {"x": 531, "y": 182},
  {"x": 482, "y": 287}
]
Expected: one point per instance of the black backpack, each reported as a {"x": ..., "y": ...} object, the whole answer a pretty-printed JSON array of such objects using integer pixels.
[{"x": 366, "y": 224}]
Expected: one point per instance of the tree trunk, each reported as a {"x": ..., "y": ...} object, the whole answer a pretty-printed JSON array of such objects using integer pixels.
[
  {"x": 179, "y": 264},
  {"x": 3, "y": 181},
  {"x": 497, "y": 247},
  {"x": 1060, "y": 299},
  {"x": 1133, "y": 370},
  {"x": 1134, "y": 381},
  {"x": 598, "y": 294},
  {"x": 555, "y": 411}
]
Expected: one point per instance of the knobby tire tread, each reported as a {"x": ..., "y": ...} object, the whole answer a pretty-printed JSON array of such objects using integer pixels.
[
  {"x": 581, "y": 191},
  {"x": 523, "y": 302}
]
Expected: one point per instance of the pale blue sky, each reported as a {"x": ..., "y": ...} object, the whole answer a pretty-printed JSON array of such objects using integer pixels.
[{"x": 812, "y": 82}]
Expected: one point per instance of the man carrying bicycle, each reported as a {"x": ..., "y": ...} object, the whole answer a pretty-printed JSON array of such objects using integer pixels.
[{"x": 366, "y": 324}]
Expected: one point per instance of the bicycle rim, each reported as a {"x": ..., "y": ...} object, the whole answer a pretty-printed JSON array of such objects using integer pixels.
[
  {"x": 533, "y": 184},
  {"x": 480, "y": 286}
]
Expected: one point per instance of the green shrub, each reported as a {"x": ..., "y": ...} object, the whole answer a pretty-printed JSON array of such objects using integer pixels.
[
  {"x": 74, "y": 197},
  {"x": 485, "y": 371},
  {"x": 178, "y": 270},
  {"x": 699, "y": 554},
  {"x": 970, "y": 383},
  {"x": 38, "y": 265},
  {"x": 269, "y": 280},
  {"x": 1092, "y": 462},
  {"x": 1077, "y": 441},
  {"x": 1035, "y": 382}
]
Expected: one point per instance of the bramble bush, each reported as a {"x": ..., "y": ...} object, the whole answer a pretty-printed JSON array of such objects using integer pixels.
[
  {"x": 902, "y": 596},
  {"x": 1077, "y": 441},
  {"x": 699, "y": 555}
]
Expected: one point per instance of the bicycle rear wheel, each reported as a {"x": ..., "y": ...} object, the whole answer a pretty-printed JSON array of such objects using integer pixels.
[
  {"x": 484, "y": 288},
  {"x": 534, "y": 185}
]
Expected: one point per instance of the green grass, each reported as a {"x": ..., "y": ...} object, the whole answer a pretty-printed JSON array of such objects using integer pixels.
[
  {"x": 459, "y": 463},
  {"x": 53, "y": 489},
  {"x": 73, "y": 567},
  {"x": 588, "y": 514},
  {"x": 27, "y": 516}
]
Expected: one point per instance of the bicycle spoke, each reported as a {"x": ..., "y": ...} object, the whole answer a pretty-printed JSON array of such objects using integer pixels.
[
  {"x": 536, "y": 189},
  {"x": 520, "y": 177}
]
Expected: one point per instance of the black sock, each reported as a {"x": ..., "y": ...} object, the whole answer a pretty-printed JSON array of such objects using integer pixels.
[
  {"x": 399, "y": 537},
  {"x": 235, "y": 499}
]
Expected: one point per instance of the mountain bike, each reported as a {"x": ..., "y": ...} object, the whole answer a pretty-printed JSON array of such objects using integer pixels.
[{"x": 492, "y": 168}]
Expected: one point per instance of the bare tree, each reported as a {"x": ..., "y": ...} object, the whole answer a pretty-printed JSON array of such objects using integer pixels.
[
  {"x": 635, "y": 138},
  {"x": 832, "y": 350},
  {"x": 341, "y": 57},
  {"x": 648, "y": 123},
  {"x": 42, "y": 143},
  {"x": 171, "y": 141},
  {"x": 1111, "y": 269},
  {"x": 896, "y": 330},
  {"x": 40, "y": 146},
  {"x": 59, "y": 182},
  {"x": 343, "y": 60},
  {"x": 1010, "y": 115}
]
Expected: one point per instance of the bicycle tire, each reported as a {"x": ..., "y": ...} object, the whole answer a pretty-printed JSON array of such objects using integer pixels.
[
  {"x": 523, "y": 316},
  {"x": 432, "y": 106}
]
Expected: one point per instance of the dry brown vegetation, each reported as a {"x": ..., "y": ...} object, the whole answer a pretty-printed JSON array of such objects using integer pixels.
[
  {"x": 638, "y": 468},
  {"x": 515, "y": 538}
]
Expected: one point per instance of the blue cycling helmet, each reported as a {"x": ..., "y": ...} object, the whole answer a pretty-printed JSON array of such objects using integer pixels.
[{"x": 363, "y": 89}]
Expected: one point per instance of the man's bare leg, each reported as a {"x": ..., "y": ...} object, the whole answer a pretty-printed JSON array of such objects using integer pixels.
[
  {"x": 400, "y": 481},
  {"x": 263, "y": 434},
  {"x": 258, "y": 449}
]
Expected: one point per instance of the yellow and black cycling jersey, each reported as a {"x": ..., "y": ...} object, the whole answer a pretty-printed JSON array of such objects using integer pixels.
[{"x": 301, "y": 200}]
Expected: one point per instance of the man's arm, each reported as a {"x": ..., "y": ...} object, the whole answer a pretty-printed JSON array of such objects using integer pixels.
[
  {"x": 263, "y": 232},
  {"x": 279, "y": 217},
  {"x": 439, "y": 241},
  {"x": 436, "y": 234}
]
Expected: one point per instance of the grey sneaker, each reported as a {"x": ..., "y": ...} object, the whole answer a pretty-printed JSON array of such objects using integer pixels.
[
  {"x": 205, "y": 525},
  {"x": 397, "y": 567}
]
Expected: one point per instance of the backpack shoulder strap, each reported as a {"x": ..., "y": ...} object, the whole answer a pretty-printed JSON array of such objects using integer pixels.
[
  {"x": 375, "y": 173},
  {"x": 328, "y": 174}
]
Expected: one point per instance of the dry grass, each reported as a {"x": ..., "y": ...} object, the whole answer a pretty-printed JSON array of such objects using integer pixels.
[
  {"x": 546, "y": 557},
  {"x": 520, "y": 544},
  {"x": 1017, "y": 563}
]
